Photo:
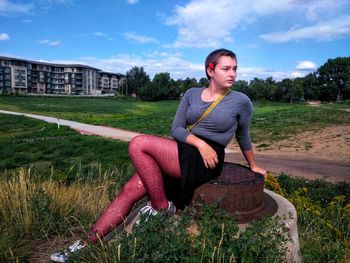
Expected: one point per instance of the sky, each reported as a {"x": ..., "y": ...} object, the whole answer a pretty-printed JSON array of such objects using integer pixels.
[{"x": 272, "y": 38}]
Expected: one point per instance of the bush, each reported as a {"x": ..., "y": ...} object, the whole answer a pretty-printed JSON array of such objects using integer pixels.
[
  {"x": 198, "y": 235},
  {"x": 323, "y": 216}
]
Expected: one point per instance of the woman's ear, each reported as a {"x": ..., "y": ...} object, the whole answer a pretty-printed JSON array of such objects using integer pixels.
[{"x": 210, "y": 72}]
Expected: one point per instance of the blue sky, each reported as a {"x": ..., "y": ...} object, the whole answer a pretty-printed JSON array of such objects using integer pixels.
[{"x": 278, "y": 38}]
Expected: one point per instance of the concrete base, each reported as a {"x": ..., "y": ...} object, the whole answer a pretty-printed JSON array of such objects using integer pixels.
[{"x": 285, "y": 209}]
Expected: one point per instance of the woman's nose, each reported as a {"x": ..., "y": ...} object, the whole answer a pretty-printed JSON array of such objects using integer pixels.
[{"x": 232, "y": 72}]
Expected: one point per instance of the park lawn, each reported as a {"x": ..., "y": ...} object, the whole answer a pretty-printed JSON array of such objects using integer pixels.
[
  {"x": 32, "y": 143},
  {"x": 271, "y": 121},
  {"x": 125, "y": 113}
]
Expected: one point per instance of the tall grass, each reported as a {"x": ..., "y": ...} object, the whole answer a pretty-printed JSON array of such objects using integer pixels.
[
  {"x": 33, "y": 209},
  {"x": 15, "y": 201}
]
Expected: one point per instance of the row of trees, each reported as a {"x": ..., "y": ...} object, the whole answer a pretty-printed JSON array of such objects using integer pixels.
[{"x": 331, "y": 82}]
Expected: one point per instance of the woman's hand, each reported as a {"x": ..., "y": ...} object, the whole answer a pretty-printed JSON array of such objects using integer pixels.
[
  {"x": 259, "y": 170},
  {"x": 249, "y": 156},
  {"x": 207, "y": 153},
  {"x": 209, "y": 156}
]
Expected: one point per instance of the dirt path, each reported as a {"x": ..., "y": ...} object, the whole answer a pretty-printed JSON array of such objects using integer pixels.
[
  {"x": 300, "y": 166},
  {"x": 320, "y": 154}
]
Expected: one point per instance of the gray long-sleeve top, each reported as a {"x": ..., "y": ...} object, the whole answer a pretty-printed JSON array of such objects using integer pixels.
[{"x": 231, "y": 116}]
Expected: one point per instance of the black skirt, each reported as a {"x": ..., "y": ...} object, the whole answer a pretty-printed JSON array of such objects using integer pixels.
[{"x": 193, "y": 172}]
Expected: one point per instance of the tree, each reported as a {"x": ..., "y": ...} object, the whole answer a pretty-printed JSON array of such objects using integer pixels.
[
  {"x": 310, "y": 87},
  {"x": 258, "y": 88},
  {"x": 188, "y": 83},
  {"x": 161, "y": 87},
  {"x": 136, "y": 79},
  {"x": 203, "y": 82},
  {"x": 286, "y": 89},
  {"x": 242, "y": 86},
  {"x": 334, "y": 77},
  {"x": 296, "y": 92}
]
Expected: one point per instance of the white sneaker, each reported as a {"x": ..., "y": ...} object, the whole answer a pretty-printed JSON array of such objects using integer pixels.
[
  {"x": 63, "y": 256},
  {"x": 150, "y": 211}
]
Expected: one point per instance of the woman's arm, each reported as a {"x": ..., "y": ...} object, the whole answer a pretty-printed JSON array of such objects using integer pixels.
[
  {"x": 178, "y": 128},
  {"x": 243, "y": 137},
  {"x": 249, "y": 156}
]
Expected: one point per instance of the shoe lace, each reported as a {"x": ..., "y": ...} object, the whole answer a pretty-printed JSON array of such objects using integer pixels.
[
  {"x": 148, "y": 209},
  {"x": 76, "y": 246}
]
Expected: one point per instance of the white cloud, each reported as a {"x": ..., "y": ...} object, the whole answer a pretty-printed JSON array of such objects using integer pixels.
[
  {"x": 4, "y": 36},
  {"x": 131, "y": 2},
  {"x": 318, "y": 10},
  {"x": 206, "y": 23},
  {"x": 27, "y": 20},
  {"x": 211, "y": 23},
  {"x": 306, "y": 65},
  {"x": 9, "y": 8},
  {"x": 249, "y": 73},
  {"x": 14, "y": 8},
  {"x": 100, "y": 34},
  {"x": 297, "y": 74},
  {"x": 152, "y": 63},
  {"x": 104, "y": 35},
  {"x": 324, "y": 31},
  {"x": 266, "y": 7},
  {"x": 50, "y": 43},
  {"x": 139, "y": 38},
  {"x": 312, "y": 10},
  {"x": 179, "y": 68},
  {"x": 49, "y": 4}
]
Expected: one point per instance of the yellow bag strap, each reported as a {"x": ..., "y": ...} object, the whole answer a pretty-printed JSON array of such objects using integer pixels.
[{"x": 211, "y": 107}]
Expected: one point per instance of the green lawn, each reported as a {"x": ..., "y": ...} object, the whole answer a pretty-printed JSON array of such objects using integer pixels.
[
  {"x": 27, "y": 142},
  {"x": 271, "y": 121}
]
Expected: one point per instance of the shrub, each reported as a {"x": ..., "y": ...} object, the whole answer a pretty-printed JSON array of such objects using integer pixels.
[{"x": 200, "y": 235}]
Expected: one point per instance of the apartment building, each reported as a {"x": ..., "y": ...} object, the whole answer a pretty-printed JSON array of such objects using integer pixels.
[
  {"x": 26, "y": 76},
  {"x": 110, "y": 82}
]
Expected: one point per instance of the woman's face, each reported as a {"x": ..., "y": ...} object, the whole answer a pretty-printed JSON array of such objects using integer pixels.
[{"x": 225, "y": 72}]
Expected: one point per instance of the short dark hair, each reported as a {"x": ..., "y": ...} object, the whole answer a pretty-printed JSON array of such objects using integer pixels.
[{"x": 214, "y": 56}]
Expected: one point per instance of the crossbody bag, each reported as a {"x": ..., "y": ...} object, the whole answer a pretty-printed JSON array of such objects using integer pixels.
[{"x": 211, "y": 107}]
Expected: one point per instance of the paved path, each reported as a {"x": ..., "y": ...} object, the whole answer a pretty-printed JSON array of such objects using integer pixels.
[
  {"x": 297, "y": 165},
  {"x": 86, "y": 129}
]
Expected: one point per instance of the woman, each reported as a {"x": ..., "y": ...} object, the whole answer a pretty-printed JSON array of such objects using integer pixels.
[{"x": 195, "y": 156}]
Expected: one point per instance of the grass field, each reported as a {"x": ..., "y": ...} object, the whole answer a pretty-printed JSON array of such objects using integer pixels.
[
  {"x": 271, "y": 121},
  {"x": 26, "y": 142},
  {"x": 54, "y": 182}
]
